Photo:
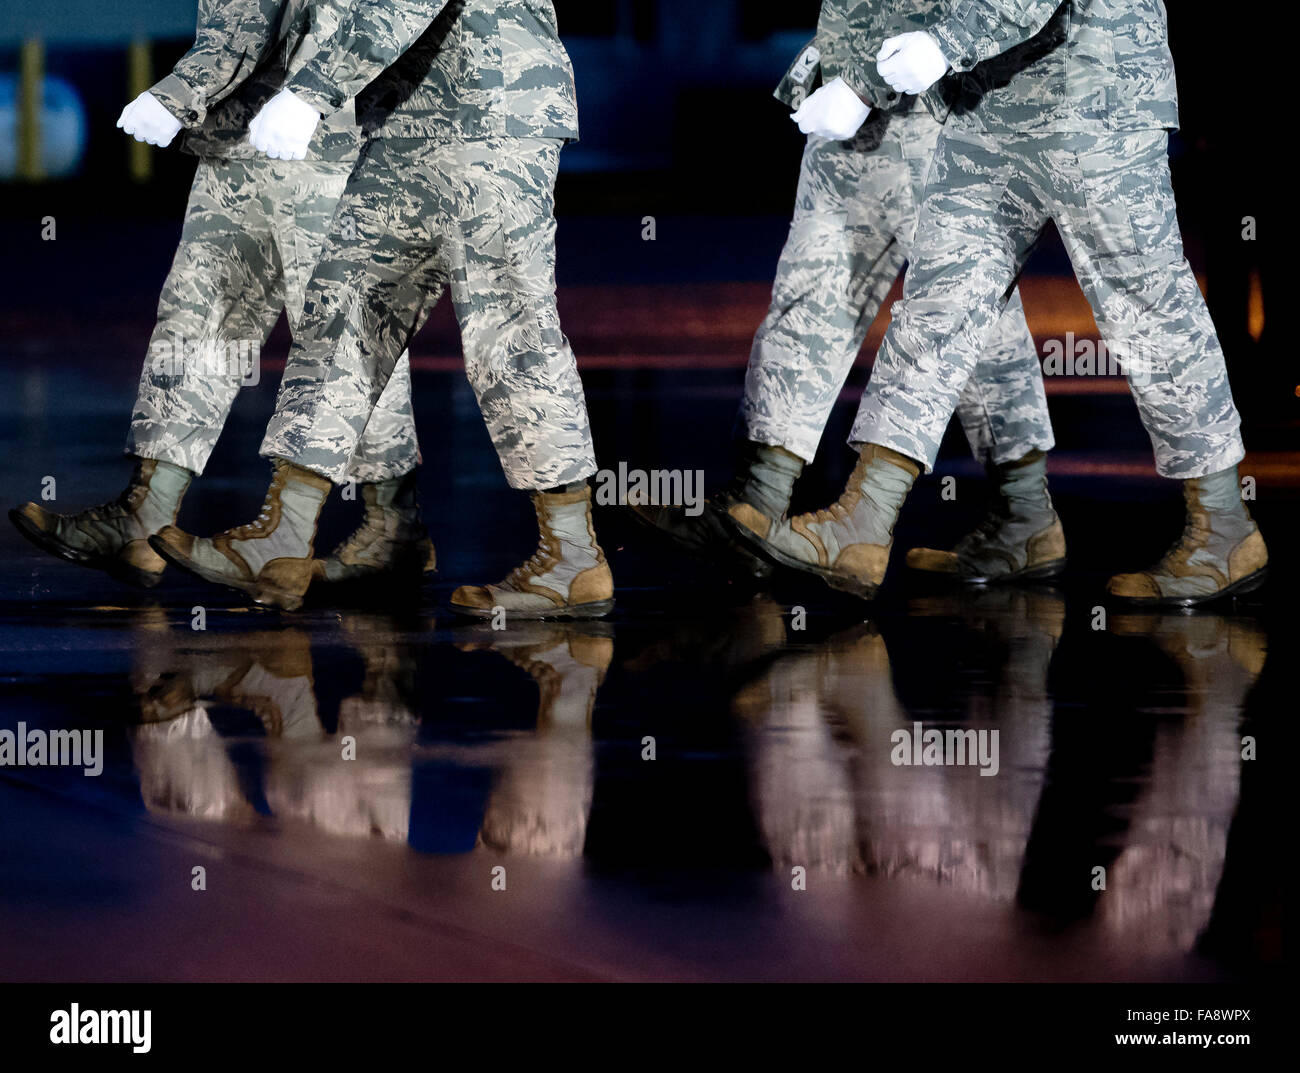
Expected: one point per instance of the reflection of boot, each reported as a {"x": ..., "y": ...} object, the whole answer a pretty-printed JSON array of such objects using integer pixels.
[
  {"x": 267, "y": 673},
  {"x": 568, "y": 663},
  {"x": 727, "y": 642},
  {"x": 801, "y": 760},
  {"x": 1020, "y": 538},
  {"x": 1220, "y": 657},
  {"x": 848, "y": 544},
  {"x": 270, "y": 558},
  {"x": 388, "y": 694},
  {"x": 113, "y": 537},
  {"x": 1164, "y": 884},
  {"x": 184, "y": 767},
  {"x": 567, "y": 577},
  {"x": 391, "y": 543},
  {"x": 274, "y": 681},
  {"x": 542, "y": 797},
  {"x": 1220, "y": 552}
]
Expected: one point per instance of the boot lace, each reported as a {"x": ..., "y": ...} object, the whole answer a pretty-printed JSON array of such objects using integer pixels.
[
  {"x": 370, "y": 531},
  {"x": 127, "y": 502},
  {"x": 258, "y": 525},
  {"x": 537, "y": 563}
]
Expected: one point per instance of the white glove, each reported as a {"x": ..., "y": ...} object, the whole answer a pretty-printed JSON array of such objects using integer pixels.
[
  {"x": 146, "y": 120},
  {"x": 834, "y": 112},
  {"x": 284, "y": 126},
  {"x": 911, "y": 63}
]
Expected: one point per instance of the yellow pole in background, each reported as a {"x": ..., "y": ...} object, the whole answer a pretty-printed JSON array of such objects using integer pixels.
[
  {"x": 1256, "y": 315},
  {"x": 139, "y": 77},
  {"x": 31, "y": 102}
]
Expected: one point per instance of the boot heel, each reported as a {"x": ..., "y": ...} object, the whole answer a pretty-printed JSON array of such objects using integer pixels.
[
  {"x": 863, "y": 590},
  {"x": 599, "y": 609},
  {"x": 1041, "y": 572},
  {"x": 1249, "y": 583},
  {"x": 278, "y": 598}
]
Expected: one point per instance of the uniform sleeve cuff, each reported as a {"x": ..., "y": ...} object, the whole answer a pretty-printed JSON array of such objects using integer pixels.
[
  {"x": 318, "y": 91},
  {"x": 867, "y": 84},
  {"x": 957, "y": 44},
  {"x": 185, "y": 102}
]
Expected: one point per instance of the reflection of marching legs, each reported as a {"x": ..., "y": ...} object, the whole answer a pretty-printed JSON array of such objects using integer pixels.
[{"x": 541, "y": 799}]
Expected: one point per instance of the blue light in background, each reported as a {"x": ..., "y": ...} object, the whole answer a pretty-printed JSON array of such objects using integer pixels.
[{"x": 63, "y": 128}]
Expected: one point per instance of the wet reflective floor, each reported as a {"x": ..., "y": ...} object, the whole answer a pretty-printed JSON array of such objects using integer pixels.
[{"x": 714, "y": 784}]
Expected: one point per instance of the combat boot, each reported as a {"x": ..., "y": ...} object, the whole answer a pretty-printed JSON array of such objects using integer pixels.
[
  {"x": 113, "y": 537},
  {"x": 764, "y": 480},
  {"x": 390, "y": 544},
  {"x": 1220, "y": 553},
  {"x": 270, "y": 558},
  {"x": 567, "y": 577},
  {"x": 1019, "y": 539},
  {"x": 848, "y": 544}
]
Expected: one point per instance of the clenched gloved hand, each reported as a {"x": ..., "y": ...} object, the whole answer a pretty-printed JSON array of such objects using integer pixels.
[
  {"x": 146, "y": 120},
  {"x": 834, "y": 112},
  {"x": 284, "y": 126},
  {"x": 911, "y": 63}
]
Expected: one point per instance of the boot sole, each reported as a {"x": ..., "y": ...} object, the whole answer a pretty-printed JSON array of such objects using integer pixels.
[
  {"x": 736, "y": 558},
  {"x": 863, "y": 590},
  {"x": 130, "y": 575},
  {"x": 261, "y": 593},
  {"x": 599, "y": 609},
  {"x": 1249, "y": 583},
  {"x": 1041, "y": 572}
]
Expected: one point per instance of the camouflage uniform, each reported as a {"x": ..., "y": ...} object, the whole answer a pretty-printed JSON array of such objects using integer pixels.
[
  {"x": 454, "y": 188},
  {"x": 1063, "y": 115},
  {"x": 253, "y": 230},
  {"x": 852, "y": 232}
]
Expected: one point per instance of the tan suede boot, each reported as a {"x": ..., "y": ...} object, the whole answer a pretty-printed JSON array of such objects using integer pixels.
[
  {"x": 113, "y": 537},
  {"x": 848, "y": 544},
  {"x": 567, "y": 577},
  {"x": 390, "y": 545},
  {"x": 1220, "y": 552},
  {"x": 270, "y": 558},
  {"x": 1019, "y": 539}
]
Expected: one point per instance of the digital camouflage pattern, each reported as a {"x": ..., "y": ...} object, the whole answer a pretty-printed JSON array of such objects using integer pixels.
[
  {"x": 988, "y": 199},
  {"x": 464, "y": 69},
  {"x": 854, "y": 222},
  {"x": 1082, "y": 65},
  {"x": 474, "y": 215},
  {"x": 253, "y": 231},
  {"x": 243, "y": 53}
]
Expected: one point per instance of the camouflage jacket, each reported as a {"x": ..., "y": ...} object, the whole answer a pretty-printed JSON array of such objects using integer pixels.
[
  {"x": 849, "y": 36},
  {"x": 1081, "y": 65},
  {"x": 243, "y": 53},
  {"x": 1029, "y": 65},
  {"x": 439, "y": 70}
]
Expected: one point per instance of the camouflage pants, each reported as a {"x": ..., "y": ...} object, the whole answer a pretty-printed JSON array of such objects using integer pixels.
[
  {"x": 853, "y": 226},
  {"x": 988, "y": 201},
  {"x": 419, "y": 215},
  {"x": 253, "y": 230}
]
